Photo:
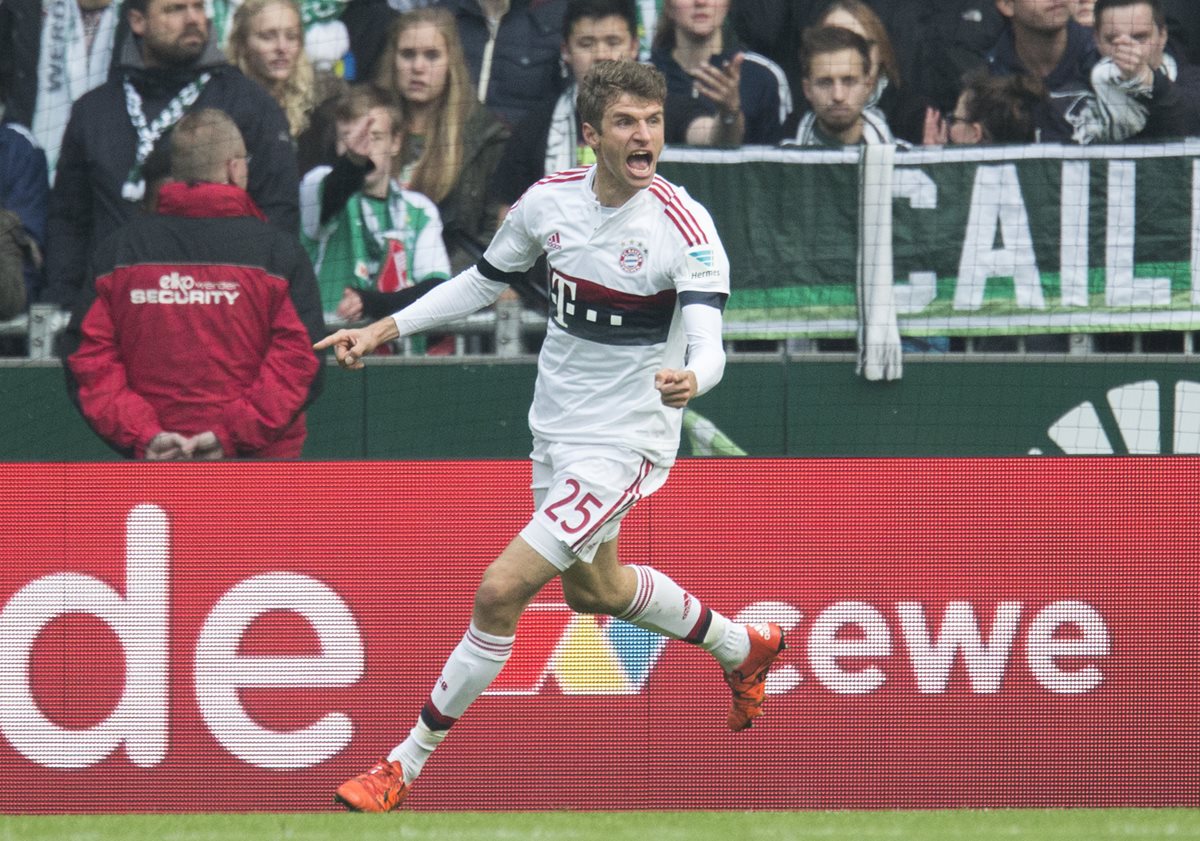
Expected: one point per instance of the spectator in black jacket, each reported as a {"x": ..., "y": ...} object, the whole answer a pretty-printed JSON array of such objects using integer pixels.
[
  {"x": 169, "y": 67},
  {"x": 837, "y": 85},
  {"x": 20, "y": 23},
  {"x": 511, "y": 48},
  {"x": 1041, "y": 39},
  {"x": 774, "y": 28},
  {"x": 1143, "y": 91},
  {"x": 717, "y": 93}
]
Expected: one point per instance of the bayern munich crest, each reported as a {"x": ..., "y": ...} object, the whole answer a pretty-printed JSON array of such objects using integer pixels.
[{"x": 632, "y": 259}]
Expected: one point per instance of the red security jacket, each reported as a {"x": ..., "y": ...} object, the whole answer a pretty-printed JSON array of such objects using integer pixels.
[{"x": 201, "y": 317}]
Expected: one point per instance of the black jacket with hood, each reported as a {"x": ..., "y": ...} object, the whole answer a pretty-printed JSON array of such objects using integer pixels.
[{"x": 1069, "y": 84}]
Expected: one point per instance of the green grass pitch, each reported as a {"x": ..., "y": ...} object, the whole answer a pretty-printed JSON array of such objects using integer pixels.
[{"x": 1043, "y": 825}]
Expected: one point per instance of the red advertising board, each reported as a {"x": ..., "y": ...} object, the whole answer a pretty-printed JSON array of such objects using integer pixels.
[{"x": 981, "y": 633}]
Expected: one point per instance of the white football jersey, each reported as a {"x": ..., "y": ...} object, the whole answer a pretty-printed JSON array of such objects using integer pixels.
[{"x": 618, "y": 277}]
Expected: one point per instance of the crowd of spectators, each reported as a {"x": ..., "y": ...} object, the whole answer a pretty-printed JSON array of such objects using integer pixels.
[{"x": 406, "y": 117}]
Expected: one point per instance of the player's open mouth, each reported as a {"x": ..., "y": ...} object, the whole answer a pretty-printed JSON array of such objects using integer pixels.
[{"x": 640, "y": 164}]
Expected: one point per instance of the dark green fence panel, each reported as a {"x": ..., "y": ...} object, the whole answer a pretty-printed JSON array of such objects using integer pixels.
[{"x": 944, "y": 406}]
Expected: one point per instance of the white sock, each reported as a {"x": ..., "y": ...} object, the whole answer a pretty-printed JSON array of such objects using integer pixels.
[
  {"x": 470, "y": 669},
  {"x": 728, "y": 641},
  {"x": 413, "y": 751},
  {"x": 662, "y": 606}
]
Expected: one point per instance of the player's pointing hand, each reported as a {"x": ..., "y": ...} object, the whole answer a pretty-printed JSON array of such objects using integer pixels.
[
  {"x": 347, "y": 347},
  {"x": 350, "y": 346}
]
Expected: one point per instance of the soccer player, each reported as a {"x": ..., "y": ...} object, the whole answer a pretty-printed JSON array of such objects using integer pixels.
[{"x": 639, "y": 280}]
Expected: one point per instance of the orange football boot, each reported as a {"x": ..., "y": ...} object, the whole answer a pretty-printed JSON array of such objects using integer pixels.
[
  {"x": 748, "y": 681},
  {"x": 381, "y": 789}
]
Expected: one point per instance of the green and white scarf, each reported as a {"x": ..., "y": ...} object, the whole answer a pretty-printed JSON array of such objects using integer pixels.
[
  {"x": 563, "y": 148},
  {"x": 149, "y": 133},
  {"x": 369, "y": 250},
  {"x": 648, "y": 13},
  {"x": 68, "y": 67}
]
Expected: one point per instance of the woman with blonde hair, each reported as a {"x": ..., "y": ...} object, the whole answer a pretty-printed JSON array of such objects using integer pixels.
[
  {"x": 451, "y": 143},
  {"x": 267, "y": 44}
]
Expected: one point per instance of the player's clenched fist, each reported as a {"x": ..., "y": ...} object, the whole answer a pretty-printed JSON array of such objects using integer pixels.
[{"x": 676, "y": 387}]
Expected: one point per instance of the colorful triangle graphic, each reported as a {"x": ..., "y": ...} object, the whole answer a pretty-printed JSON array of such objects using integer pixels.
[
  {"x": 636, "y": 649},
  {"x": 585, "y": 664}
]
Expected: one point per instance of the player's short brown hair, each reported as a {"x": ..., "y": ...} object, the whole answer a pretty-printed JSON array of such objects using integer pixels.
[{"x": 608, "y": 80}]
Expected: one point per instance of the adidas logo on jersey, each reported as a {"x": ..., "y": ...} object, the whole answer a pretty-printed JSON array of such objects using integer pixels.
[{"x": 552, "y": 242}]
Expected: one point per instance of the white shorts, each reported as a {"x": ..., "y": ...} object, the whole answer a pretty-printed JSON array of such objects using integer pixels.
[{"x": 581, "y": 493}]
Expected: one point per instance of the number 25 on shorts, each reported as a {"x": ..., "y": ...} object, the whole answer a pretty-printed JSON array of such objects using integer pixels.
[{"x": 575, "y": 518}]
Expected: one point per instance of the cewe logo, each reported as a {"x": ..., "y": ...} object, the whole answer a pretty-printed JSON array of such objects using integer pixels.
[
  {"x": 140, "y": 720},
  {"x": 847, "y": 648}
]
